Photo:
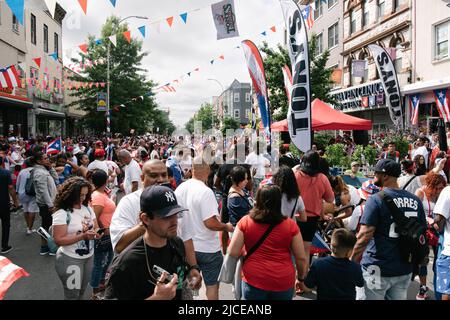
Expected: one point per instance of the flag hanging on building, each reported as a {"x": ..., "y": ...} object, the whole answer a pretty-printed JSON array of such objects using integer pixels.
[
  {"x": 9, "y": 273},
  {"x": 9, "y": 78},
  {"x": 55, "y": 146},
  {"x": 258, "y": 75},
  {"x": 388, "y": 75},
  {"x": 308, "y": 16},
  {"x": 225, "y": 19},
  {"x": 358, "y": 68},
  {"x": 414, "y": 102},
  {"x": 299, "y": 114},
  {"x": 287, "y": 75},
  {"x": 442, "y": 97}
]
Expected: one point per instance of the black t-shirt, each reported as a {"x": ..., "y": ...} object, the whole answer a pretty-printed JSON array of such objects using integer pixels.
[
  {"x": 5, "y": 182},
  {"x": 287, "y": 161},
  {"x": 131, "y": 279},
  {"x": 335, "y": 278}
]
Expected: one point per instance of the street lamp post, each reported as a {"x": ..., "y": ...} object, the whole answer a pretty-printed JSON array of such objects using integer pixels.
[
  {"x": 108, "y": 76},
  {"x": 221, "y": 86}
]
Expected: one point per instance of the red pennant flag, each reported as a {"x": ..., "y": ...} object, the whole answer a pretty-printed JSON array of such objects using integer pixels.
[
  {"x": 102, "y": 84},
  {"x": 83, "y": 47},
  {"x": 90, "y": 85},
  {"x": 274, "y": 29},
  {"x": 170, "y": 21},
  {"x": 222, "y": 57},
  {"x": 97, "y": 84},
  {"x": 37, "y": 61},
  {"x": 197, "y": 69},
  {"x": 127, "y": 35},
  {"x": 83, "y": 4}
]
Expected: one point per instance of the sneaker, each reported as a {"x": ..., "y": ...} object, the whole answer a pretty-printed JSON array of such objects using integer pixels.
[
  {"x": 44, "y": 250},
  {"x": 51, "y": 253},
  {"x": 6, "y": 250},
  {"x": 423, "y": 293},
  {"x": 29, "y": 231}
]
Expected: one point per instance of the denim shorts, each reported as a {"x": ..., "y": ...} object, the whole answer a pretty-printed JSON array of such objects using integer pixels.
[
  {"x": 443, "y": 274},
  {"x": 210, "y": 265}
]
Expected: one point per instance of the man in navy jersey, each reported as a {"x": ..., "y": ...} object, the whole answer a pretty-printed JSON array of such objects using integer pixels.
[{"x": 386, "y": 275}]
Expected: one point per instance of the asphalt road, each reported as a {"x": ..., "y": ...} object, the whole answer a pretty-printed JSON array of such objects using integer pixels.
[{"x": 43, "y": 282}]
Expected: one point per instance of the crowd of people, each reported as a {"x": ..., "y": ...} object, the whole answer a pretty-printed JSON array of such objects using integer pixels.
[{"x": 155, "y": 217}]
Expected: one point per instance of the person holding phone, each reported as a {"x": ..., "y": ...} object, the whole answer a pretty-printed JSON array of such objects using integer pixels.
[{"x": 104, "y": 209}]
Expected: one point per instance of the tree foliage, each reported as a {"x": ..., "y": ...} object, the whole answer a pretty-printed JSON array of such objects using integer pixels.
[
  {"x": 274, "y": 60},
  {"x": 205, "y": 116},
  {"x": 127, "y": 81}
]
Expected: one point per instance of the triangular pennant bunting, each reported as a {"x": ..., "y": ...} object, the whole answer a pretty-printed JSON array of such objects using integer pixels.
[
  {"x": 184, "y": 17},
  {"x": 83, "y": 47},
  {"x": 264, "y": 33},
  {"x": 212, "y": 61},
  {"x": 113, "y": 40},
  {"x": 17, "y": 7},
  {"x": 51, "y": 6},
  {"x": 54, "y": 56},
  {"x": 113, "y": 2},
  {"x": 142, "y": 30},
  {"x": 127, "y": 35},
  {"x": 222, "y": 57},
  {"x": 38, "y": 62},
  {"x": 170, "y": 21},
  {"x": 83, "y": 4},
  {"x": 189, "y": 74},
  {"x": 274, "y": 29},
  {"x": 98, "y": 42}
]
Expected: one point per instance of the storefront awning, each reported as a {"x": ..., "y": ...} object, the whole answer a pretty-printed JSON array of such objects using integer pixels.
[
  {"x": 13, "y": 100},
  {"x": 426, "y": 86},
  {"x": 49, "y": 113}
]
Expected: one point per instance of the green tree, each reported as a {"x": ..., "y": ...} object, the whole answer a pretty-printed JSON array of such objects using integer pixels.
[
  {"x": 127, "y": 81},
  {"x": 205, "y": 116},
  {"x": 229, "y": 123},
  {"x": 274, "y": 60}
]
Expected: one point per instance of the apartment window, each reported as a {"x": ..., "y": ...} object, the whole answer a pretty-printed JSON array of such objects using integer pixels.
[
  {"x": 248, "y": 97},
  {"x": 33, "y": 29},
  {"x": 236, "y": 97},
  {"x": 333, "y": 35},
  {"x": 45, "y": 38},
  {"x": 442, "y": 39},
  {"x": 34, "y": 75},
  {"x": 352, "y": 22},
  {"x": 15, "y": 23},
  {"x": 365, "y": 17},
  {"x": 398, "y": 4},
  {"x": 236, "y": 113},
  {"x": 331, "y": 3},
  {"x": 365, "y": 57},
  {"x": 57, "y": 85},
  {"x": 318, "y": 11},
  {"x": 319, "y": 45},
  {"x": 398, "y": 55},
  {"x": 247, "y": 113},
  {"x": 381, "y": 8},
  {"x": 56, "y": 45}
]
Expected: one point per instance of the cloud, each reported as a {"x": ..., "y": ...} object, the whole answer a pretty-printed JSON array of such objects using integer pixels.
[{"x": 184, "y": 47}]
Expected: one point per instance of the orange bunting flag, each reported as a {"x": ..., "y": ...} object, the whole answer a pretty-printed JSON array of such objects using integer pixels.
[
  {"x": 197, "y": 69},
  {"x": 170, "y": 21},
  {"x": 127, "y": 35},
  {"x": 222, "y": 57},
  {"x": 83, "y": 4},
  {"x": 83, "y": 48},
  {"x": 274, "y": 29}
]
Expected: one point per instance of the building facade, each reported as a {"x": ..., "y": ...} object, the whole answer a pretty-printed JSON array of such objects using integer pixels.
[
  {"x": 235, "y": 102},
  {"x": 14, "y": 104},
  {"x": 73, "y": 112}
]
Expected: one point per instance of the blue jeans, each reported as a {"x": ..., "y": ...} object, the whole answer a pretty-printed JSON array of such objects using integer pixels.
[
  {"x": 251, "y": 293},
  {"x": 103, "y": 256},
  {"x": 386, "y": 288}
]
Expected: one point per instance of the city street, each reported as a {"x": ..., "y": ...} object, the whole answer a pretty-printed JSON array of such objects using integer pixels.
[{"x": 43, "y": 282}]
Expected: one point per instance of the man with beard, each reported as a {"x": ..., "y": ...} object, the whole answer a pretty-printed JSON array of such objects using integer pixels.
[{"x": 386, "y": 274}]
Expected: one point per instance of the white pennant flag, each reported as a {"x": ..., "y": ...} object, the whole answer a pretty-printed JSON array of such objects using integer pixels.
[
  {"x": 23, "y": 66},
  {"x": 113, "y": 39},
  {"x": 51, "y": 5}
]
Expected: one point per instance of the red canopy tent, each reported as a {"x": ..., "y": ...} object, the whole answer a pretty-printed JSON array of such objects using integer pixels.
[{"x": 325, "y": 117}]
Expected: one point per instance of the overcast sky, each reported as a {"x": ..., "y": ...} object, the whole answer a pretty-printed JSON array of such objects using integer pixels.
[{"x": 184, "y": 47}]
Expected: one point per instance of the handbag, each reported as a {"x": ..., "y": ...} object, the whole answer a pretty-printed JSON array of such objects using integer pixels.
[
  {"x": 48, "y": 236},
  {"x": 29, "y": 185},
  {"x": 104, "y": 243},
  {"x": 228, "y": 269}
]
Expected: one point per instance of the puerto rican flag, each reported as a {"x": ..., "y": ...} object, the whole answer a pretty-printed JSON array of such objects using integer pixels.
[
  {"x": 442, "y": 97},
  {"x": 9, "y": 78},
  {"x": 414, "y": 102},
  {"x": 319, "y": 245},
  {"x": 55, "y": 146},
  {"x": 308, "y": 16},
  {"x": 169, "y": 88},
  {"x": 9, "y": 273}
]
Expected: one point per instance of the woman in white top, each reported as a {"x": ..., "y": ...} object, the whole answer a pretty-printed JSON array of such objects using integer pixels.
[
  {"x": 428, "y": 194},
  {"x": 74, "y": 230},
  {"x": 30, "y": 207}
]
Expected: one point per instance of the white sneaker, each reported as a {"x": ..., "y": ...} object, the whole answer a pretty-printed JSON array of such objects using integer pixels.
[{"x": 29, "y": 231}]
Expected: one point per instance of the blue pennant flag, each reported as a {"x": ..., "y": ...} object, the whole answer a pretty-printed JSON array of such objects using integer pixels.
[
  {"x": 54, "y": 56},
  {"x": 264, "y": 33},
  {"x": 212, "y": 61},
  {"x": 189, "y": 74},
  {"x": 17, "y": 7},
  {"x": 142, "y": 30},
  {"x": 98, "y": 42},
  {"x": 113, "y": 2},
  {"x": 184, "y": 17}
]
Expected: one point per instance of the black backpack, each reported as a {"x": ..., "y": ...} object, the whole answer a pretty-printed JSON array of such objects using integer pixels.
[
  {"x": 29, "y": 185},
  {"x": 413, "y": 242}
]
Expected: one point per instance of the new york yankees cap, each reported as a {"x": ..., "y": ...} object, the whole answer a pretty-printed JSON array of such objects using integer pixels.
[{"x": 160, "y": 201}]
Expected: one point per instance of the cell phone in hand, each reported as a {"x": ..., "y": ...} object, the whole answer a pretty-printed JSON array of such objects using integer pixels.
[
  {"x": 159, "y": 271},
  {"x": 101, "y": 231}
]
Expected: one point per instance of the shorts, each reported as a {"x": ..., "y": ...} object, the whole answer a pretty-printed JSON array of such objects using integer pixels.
[
  {"x": 443, "y": 274},
  {"x": 46, "y": 216},
  {"x": 210, "y": 265},
  {"x": 30, "y": 206},
  {"x": 308, "y": 228}
]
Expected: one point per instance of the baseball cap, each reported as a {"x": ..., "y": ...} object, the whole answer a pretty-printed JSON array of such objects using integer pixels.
[
  {"x": 160, "y": 201},
  {"x": 99, "y": 153},
  {"x": 389, "y": 167},
  {"x": 368, "y": 189},
  {"x": 355, "y": 163}
]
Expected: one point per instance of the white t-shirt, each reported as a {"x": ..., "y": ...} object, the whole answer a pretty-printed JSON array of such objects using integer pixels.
[
  {"x": 98, "y": 165},
  {"x": 126, "y": 217},
  {"x": 113, "y": 167},
  {"x": 412, "y": 186},
  {"x": 352, "y": 222},
  {"x": 154, "y": 155},
  {"x": 202, "y": 204},
  {"x": 422, "y": 151},
  {"x": 79, "y": 219},
  {"x": 132, "y": 174},
  {"x": 442, "y": 208},
  {"x": 287, "y": 207},
  {"x": 259, "y": 162}
]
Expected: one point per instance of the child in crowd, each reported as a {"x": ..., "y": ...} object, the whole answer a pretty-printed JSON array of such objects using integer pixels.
[{"x": 336, "y": 277}]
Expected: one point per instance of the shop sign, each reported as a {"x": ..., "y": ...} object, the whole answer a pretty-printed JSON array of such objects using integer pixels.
[{"x": 352, "y": 98}]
